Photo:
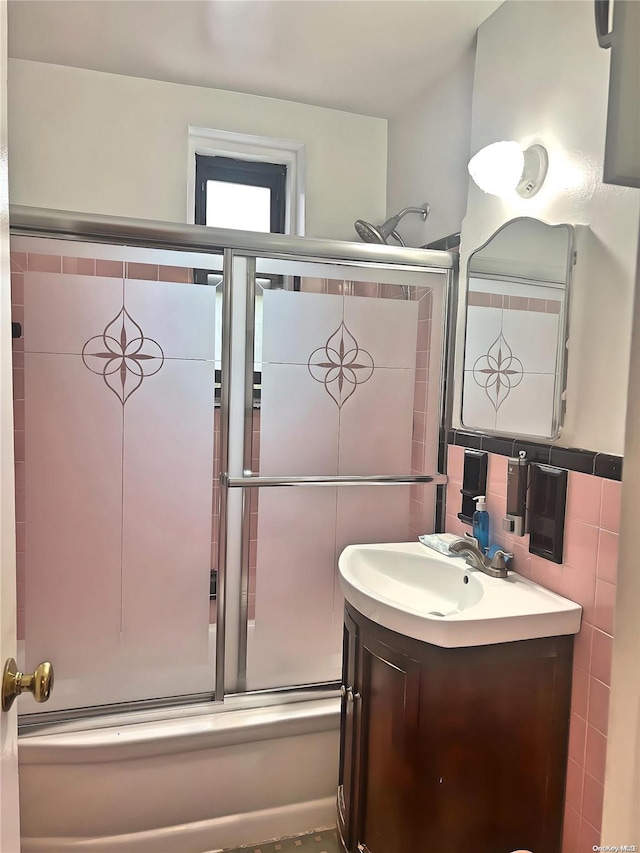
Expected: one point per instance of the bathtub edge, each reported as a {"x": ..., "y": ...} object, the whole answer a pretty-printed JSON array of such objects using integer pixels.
[
  {"x": 150, "y": 739},
  {"x": 207, "y": 836}
]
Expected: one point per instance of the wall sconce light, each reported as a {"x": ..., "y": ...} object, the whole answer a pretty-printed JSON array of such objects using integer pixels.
[{"x": 504, "y": 167}]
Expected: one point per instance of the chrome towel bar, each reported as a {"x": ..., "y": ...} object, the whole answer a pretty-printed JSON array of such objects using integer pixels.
[{"x": 250, "y": 482}]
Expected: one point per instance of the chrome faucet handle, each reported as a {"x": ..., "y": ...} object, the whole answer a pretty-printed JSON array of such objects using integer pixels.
[
  {"x": 500, "y": 559},
  {"x": 471, "y": 539}
]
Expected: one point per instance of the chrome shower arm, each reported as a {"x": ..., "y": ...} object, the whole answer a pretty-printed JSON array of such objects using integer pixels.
[{"x": 423, "y": 211}]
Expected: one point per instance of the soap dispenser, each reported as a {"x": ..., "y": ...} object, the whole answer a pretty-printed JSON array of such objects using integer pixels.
[{"x": 481, "y": 523}]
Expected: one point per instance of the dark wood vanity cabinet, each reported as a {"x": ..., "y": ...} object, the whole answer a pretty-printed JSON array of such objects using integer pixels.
[{"x": 452, "y": 750}]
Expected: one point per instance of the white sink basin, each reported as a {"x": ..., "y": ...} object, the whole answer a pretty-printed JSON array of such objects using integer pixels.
[{"x": 415, "y": 591}]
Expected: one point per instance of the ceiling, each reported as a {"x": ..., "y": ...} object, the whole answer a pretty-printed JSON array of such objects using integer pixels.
[{"x": 372, "y": 57}]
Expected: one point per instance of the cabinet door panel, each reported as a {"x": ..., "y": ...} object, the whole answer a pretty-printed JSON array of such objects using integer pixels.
[
  {"x": 349, "y": 734},
  {"x": 390, "y": 737},
  {"x": 494, "y": 765}
]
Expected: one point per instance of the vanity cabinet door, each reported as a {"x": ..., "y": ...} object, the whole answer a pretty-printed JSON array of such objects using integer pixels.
[
  {"x": 494, "y": 722},
  {"x": 349, "y": 734},
  {"x": 388, "y": 807}
]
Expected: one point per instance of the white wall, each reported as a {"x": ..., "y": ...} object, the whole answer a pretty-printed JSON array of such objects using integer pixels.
[
  {"x": 541, "y": 77},
  {"x": 104, "y": 143},
  {"x": 428, "y": 156},
  {"x": 622, "y": 781}
]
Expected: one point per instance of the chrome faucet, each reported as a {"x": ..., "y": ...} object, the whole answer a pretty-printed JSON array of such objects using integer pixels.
[{"x": 470, "y": 547}]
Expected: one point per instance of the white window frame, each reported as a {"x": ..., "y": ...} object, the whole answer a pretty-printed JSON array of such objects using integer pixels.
[{"x": 265, "y": 149}]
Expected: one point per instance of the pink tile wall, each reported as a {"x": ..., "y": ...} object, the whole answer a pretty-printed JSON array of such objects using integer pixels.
[
  {"x": 513, "y": 303},
  {"x": 33, "y": 262},
  {"x": 337, "y": 287},
  {"x": 587, "y": 576}
]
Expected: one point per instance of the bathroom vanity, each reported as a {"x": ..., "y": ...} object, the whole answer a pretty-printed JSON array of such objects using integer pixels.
[
  {"x": 452, "y": 749},
  {"x": 449, "y": 749}
]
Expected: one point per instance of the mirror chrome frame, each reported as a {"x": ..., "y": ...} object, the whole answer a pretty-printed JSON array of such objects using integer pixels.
[{"x": 562, "y": 356}]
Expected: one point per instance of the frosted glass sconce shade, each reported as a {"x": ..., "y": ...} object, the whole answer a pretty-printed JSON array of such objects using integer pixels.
[{"x": 504, "y": 168}]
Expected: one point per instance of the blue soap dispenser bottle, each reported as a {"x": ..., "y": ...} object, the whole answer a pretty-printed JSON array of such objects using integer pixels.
[{"x": 481, "y": 523}]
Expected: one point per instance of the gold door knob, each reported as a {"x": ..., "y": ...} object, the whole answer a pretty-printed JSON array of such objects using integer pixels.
[{"x": 14, "y": 683}]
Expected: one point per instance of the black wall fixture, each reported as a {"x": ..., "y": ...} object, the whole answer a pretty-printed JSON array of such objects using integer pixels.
[
  {"x": 546, "y": 505},
  {"x": 474, "y": 482}
]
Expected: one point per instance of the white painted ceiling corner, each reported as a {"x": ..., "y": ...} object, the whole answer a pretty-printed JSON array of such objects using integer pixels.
[{"x": 372, "y": 57}]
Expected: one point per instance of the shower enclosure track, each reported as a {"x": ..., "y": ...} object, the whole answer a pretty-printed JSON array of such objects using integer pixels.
[{"x": 70, "y": 225}]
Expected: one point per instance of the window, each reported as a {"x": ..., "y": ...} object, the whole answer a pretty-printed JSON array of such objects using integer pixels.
[
  {"x": 212, "y": 144},
  {"x": 242, "y": 194}
]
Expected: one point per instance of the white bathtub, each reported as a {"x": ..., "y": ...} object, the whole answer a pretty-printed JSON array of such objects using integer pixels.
[{"x": 204, "y": 780}]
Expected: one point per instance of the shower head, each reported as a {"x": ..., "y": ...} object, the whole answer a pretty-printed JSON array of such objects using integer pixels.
[{"x": 369, "y": 233}]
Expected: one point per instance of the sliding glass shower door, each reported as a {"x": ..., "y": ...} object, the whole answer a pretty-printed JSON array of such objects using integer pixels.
[
  {"x": 345, "y": 369},
  {"x": 114, "y": 376},
  {"x": 198, "y": 436}
]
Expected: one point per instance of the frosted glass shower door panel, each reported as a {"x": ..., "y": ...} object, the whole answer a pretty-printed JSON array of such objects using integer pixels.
[
  {"x": 119, "y": 454},
  {"x": 338, "y": 377},
  {"x": 376, "y": 424},
  {"x": 298, "y": 426},
  {"x": 293, "y": 639},
  {"x": 338, "y": 383},
  {"x": 73, "y": 487},
  {"x": 168, "y": 472},
  {"x": 376, "y": 421},
  {"x": 369, "y": 514},
  {"x": 299, "y": 422}
]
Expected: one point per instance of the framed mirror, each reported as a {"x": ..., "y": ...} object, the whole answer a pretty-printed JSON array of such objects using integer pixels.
[{"x": 515, "y": 355}]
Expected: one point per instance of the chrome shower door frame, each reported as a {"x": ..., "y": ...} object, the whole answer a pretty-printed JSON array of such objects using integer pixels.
[{"x": 240, "y": 251}]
